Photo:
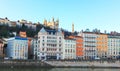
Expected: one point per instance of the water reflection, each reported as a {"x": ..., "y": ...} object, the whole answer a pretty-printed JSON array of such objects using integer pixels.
[{"x": 58, "y": 69}]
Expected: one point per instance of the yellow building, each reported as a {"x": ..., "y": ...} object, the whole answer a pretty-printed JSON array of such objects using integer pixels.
[
  {"x": 102, "y": 45},
  {"x": 52, "y": 24}
]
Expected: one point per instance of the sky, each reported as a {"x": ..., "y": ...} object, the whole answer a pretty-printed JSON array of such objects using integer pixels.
[{"x": 100, "y": 14}]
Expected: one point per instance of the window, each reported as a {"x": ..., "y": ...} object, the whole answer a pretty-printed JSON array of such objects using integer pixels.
[
  {"x": 43, "y": 37},
  {"x": 59, "y": 49},
  {"x": 59, "y": 45},
  {"x": 38, "y": 41},
  {"x": 65, "y": 50},
  {"x": 42, "y": 49},
  {"x": 43, "y": 44},
  {"x": 59, "y": 41}
]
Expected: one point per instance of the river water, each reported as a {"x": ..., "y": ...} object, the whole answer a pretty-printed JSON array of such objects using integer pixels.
[{"x": 59, "y": 69}]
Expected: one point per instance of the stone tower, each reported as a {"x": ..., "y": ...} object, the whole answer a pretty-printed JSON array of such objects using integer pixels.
[
  {"x": 45, "y": 22},
  {"x": 72, "y": 27},
  {"x": 57, "y": 24}
]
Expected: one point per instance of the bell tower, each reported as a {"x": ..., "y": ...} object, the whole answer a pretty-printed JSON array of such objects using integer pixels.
[
  {"x": 45, "y": 22},
  {"x": 72, "y": 27}
]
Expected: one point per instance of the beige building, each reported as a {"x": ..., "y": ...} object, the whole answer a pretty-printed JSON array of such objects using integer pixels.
[
  {"x": 4, "y": 21},
  {"x": 1, "y": 48},
  {"x": 52, "y": 24},
  {"x": 69, "y": 49}
]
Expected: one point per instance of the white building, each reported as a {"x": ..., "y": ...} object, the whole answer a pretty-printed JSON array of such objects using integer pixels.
[
  {"x": 69, "y": 49},
  {"x": 17, "y": 48},
  {"x": 34, "y": 47},
  {"x": 113, "y": 46},
  {"x": 89, "y": 45},
  {"x": 48, "y": 45}
]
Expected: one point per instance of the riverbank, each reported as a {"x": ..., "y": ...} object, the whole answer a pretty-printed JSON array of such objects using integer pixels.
[
  {"x": 84, "y": 64},
  {"x": 58, "y": 64},
  {"x": 23, "y": 64}
]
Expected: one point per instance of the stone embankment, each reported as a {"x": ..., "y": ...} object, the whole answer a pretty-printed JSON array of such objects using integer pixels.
[
  {"x": 86, "y": 64},
  {"x": 52, "y": 64},
  {"x": 23, "y": 64}
]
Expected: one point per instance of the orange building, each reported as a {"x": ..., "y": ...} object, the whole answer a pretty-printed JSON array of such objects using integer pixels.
[
  {"x": 22, "y": 34},
  {"x": 102, "y": 45},
  {"x": 79, "y": 46}
]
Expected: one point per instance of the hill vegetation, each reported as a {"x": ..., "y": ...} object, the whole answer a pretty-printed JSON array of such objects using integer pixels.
[{"x": 7, "y": 31}]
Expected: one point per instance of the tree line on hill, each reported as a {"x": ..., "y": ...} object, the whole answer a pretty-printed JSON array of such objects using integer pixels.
[{"x": 7, "y": 31}]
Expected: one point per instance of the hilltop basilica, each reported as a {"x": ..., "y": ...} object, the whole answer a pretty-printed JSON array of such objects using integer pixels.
[{"x": 52, "y": 24}]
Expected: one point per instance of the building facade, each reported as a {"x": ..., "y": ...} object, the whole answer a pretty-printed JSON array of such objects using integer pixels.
[
  {"x": 69, "y": 49},
  {"x": 113, "y": 47},
  {"x": 34, "y": 48},
  {"x": 102, "y": 45},
  {"x": 17, "y": 48},
  {"x": 79, "y": 46},
  {"x": 48, "y": 44},
  {"x": 89, "y": 45},
  {"x": 1, "y": 49},
  {"x": 4, "y": 21}
]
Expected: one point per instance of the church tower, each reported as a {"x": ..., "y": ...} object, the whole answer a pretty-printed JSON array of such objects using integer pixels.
[
  {"x": 57, "y": 24},
  {"x": 72, "y": 27},
  {"x": 45, "y": 22}
]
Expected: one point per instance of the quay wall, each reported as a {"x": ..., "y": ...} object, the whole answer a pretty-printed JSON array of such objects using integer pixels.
[
  {"x": 85, "y": 64},
  {"x": 23, "y": 64},
  {"x": 58, "y": 64}
]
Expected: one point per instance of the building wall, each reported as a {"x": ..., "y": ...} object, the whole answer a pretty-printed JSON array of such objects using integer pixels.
[
  {"x": 113, "y": 47},
  {"x": 102, "y": 45},
  {"x": 1, "y": 49},
  {"x": 4, "y": 21},
  {"x": 34, "y": 47},
  {"x": 69, "y": 49},
  {"x": 79, "y": 46},
  {"x": 17, "y": 48},
  {"x": 89, "y": 45},
  {"x": 49, "y": 45},
  {"x": 29, "y": 48}
]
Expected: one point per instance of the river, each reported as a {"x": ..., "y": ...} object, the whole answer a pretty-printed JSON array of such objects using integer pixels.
[{"x": 59, "y": 69}]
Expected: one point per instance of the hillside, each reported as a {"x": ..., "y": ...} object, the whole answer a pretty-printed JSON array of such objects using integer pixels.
[{"x": 7, "y": 31}]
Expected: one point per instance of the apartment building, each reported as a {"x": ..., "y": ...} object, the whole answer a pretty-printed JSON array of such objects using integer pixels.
[
  {"x": 79, "y": 46},
  {"x": 113, "y": 46},
  {"x": 49, "y": 44},
  {"x": 102, "y": 45},
  {"x": 89, "y": 45},
  {"x": 17, "y": 48},
  {"x": 69, "y": 49}
]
